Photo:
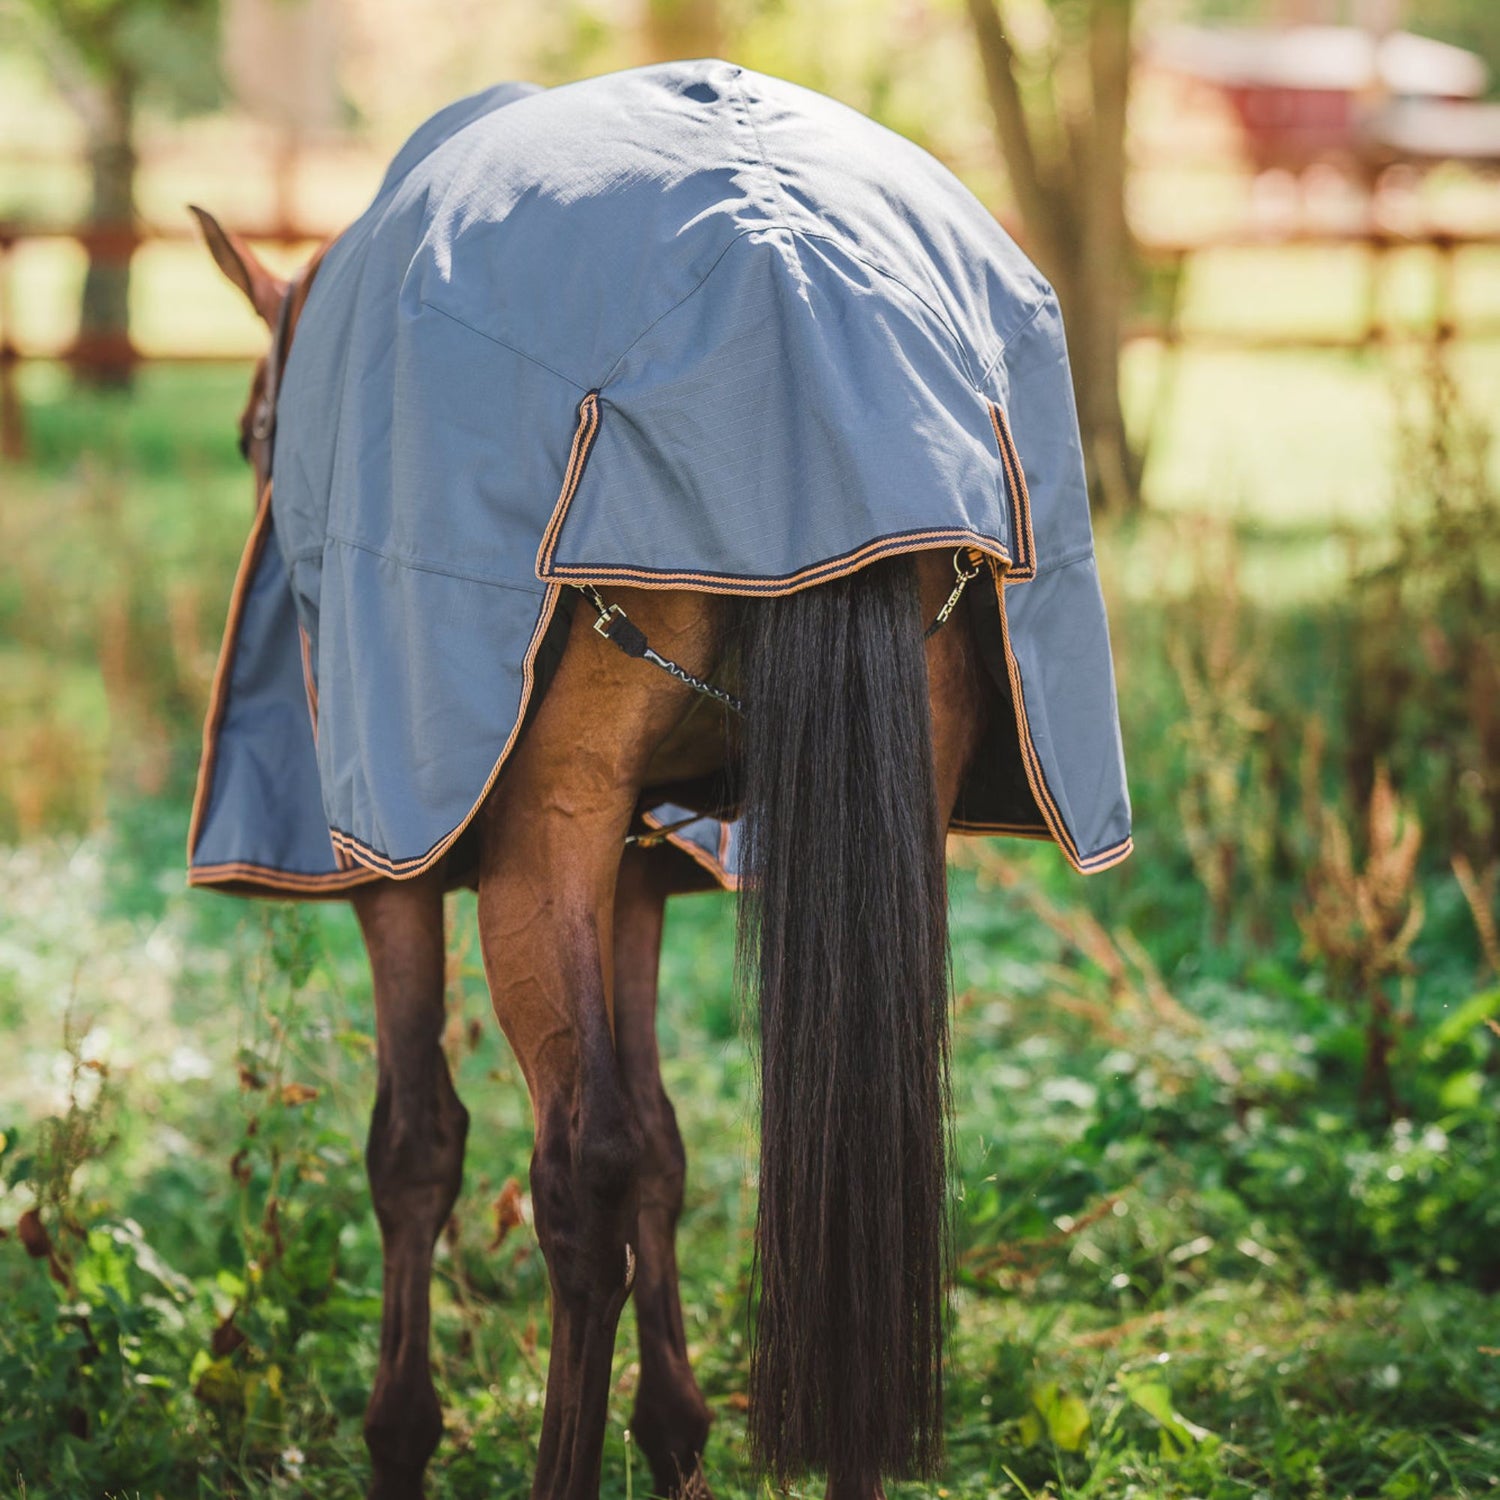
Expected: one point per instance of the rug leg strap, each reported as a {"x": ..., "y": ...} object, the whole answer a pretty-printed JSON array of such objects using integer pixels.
[{"x": 617, "y": 628}]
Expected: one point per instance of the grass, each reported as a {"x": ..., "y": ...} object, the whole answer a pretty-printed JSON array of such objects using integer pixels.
[
  {"x": 1190, "y": 1263},
  {"x": 1298, "y": 444},
  {"x": 1107, "y": 1268}
]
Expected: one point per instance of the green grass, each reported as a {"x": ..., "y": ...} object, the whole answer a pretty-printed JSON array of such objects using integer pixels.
[
  {"x": 1300, "y": 443},
  {"x": 1198, "y": 1287}
]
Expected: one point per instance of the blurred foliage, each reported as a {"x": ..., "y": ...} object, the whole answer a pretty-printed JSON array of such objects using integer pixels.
[
  {"x": 107, "y": 57},
  {"x": 1425, "y": 630},
  {"x": 167, "y": 47},
  {"x": 1474, "y": 24},
  {"x": 107, "y": 633},
  {"x": 1361, "y": 920}
]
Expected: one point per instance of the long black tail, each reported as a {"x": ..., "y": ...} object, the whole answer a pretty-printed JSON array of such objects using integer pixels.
[{"x": 843, "y": 936}]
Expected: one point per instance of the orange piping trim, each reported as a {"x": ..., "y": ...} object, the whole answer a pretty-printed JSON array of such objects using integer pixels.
[
  {"x": 1020, "y": 499},
  {"x": 1019, "y": 471},
  {"x": 583, "y": 442},
  {"x": 548, "y": 570},
  {"x": 279, "y": 880},
  {"x": 1107, "y": 859},
  {"x": 219, "y": 692},
  {"x": 811, "y": 577},
  {"x": 1032, "y": 762}
]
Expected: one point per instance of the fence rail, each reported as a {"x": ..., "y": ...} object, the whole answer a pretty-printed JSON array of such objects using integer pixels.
[
  {"x": 1172, "y": 259},
  {"x": 111, "y": 352}
]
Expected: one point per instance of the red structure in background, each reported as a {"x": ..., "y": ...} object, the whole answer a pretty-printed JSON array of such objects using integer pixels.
[{"x": 1306, "y": 94}]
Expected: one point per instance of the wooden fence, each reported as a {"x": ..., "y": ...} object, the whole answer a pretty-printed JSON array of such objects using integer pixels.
[
  {"x": 118, "y": 352},
  {"x": 1170, "y": 261}
]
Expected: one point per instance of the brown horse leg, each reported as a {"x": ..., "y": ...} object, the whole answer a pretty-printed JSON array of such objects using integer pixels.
[
  {"x": 957, "y": 695},
  {"x": 958, "y": 691},
  {"x": 671, "y": 1418},
  {"x": 415, "y": 1161},
  {"x": 552, "y": 835}
]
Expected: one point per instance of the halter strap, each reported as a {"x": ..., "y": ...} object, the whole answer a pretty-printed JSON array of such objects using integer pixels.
[{"x": 264, "y": 425}]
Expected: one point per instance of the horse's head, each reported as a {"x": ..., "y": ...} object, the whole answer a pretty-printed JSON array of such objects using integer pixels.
[{"x": 277, "y": 302}]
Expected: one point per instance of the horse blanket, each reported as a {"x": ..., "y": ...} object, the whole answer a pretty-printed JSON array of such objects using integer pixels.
[{"x": 679, "y": 327}]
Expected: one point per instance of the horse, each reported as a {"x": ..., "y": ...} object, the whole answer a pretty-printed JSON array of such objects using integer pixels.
[{"x": 836, "y": 716}]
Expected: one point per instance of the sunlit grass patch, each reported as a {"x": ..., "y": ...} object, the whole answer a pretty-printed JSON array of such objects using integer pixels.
[{"x": 1291, "y": 442}]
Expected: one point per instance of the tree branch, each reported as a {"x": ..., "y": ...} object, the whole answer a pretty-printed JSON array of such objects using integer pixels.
[
  {"x": 69, "y": 75},
  {"x": 1109, "y": 88},
  {"x": 1104, "y": 262},
  {"x": 1036, "y": 202}
]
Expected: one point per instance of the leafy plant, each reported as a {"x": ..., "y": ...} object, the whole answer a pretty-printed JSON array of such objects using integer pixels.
[
  {"x": 85, "y": 1346},
  {"x": 1361, "y": 920},
  {"x": 1225, "y": 799},
  {"x": 1423, "y": 697}
]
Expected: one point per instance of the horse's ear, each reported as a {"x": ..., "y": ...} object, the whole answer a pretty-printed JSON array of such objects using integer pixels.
[{"x": 240, "y": 264}]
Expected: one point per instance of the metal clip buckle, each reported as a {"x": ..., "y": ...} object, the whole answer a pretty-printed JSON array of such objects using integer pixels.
[
  {"x": 964, "y": 575},
  {"x": 605, "y": 622}
]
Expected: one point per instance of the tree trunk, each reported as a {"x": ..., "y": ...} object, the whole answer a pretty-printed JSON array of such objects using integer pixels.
[
  {"x": 103, "y": 354},
  {"x": 1104, "y": 271},
  {"x": 1067, "y": 171},
  {"x": 682, "y": 29},
  {"x": 1093, "y": 314}
]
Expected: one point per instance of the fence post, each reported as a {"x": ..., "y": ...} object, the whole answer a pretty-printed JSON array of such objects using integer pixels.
[
  {"x": 12, "y": 416},
  {"x": 1444, "y": 325},
  {"x": 1376, "y": 245},
  {"x": 106, "y": 356}
]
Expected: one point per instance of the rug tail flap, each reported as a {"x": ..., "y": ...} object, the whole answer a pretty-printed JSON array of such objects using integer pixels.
[{"x": 799, "y": 408}]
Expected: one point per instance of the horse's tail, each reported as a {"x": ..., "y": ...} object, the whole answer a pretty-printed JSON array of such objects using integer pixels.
[{"x": 843, "y": 935}]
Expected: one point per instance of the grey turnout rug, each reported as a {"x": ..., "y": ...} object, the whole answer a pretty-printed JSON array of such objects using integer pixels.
[{"x": 680, "y": 327}]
